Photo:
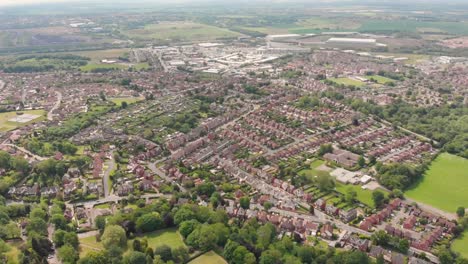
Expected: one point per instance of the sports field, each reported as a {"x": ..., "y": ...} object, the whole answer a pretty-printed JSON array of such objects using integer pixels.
[
  {"x": 12, "y": 120},
  {"x": 445, "y": 184},
  {"x": 347, "y": 81},
  {"x": 209, "y": 258},
  {"x": 130, "y": 100},
  {"x": 180, "y": 31},
  {"x": 92, "y": 66}
]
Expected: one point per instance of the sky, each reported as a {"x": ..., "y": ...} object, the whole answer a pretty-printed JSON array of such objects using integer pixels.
[{"x": 26, "y": 2}]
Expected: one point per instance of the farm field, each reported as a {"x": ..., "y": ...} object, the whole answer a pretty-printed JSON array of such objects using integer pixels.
[
  {"x": 169, "y": 236},
  {"x": 180, "y": 31},
  {"x": 6, "y": 125},
  {"x": 414, "y": 26},
  {"x": 460, "y": 245},
  {"x": 209, "y": 258},
  {"x": 347, "y": 81},
  {"x": 306, "y": 26},
  {"x": 445, "y": 184},
  {"x": 363, "y": 195}
]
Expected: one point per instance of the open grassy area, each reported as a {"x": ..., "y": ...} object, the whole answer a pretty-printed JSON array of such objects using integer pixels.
[
  {"x": 209, "y": 258},
  {"x": 363, "y": 195},
  {"x": 169, "y": 236},
  {"x": 95, "y": 66},
  {"x": 129, "y": 100},
  {"x": 460, "y": 245},
  {"x": 379, "y": 79},
  {"x": 347, "y": 81},
  {"x": 180, "y": 31},
  {"x": 6, "y": 125},
  {"x": 445, "y": 184}
]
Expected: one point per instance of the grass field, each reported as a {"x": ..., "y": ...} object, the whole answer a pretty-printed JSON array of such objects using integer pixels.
[
  {"x": 380, "y": 79},
  {"x": 313, "y": 171},
  {"x": 6, "y": 125},
  {"x": 94, "y": 66},
  {"x": 180, "y": 31},
  {"x": 445, "y": 184},
  {"x": 169, "y": 236},
  {"x": 347, "y": 81},
  {"x": 363, "y": 195},
  {"x": 129, "y": 100},
  {"x": 209, "y": 258},
  {"x": 460, "y": 245}
]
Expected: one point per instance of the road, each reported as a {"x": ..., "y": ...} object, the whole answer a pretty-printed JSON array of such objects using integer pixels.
[
  {"x": 162, "y": 174},
  {"x": 50, "y": 116}
]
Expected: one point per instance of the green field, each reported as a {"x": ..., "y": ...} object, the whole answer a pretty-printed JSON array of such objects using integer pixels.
[
  {"x": 180, "y": 31},
  {"x": 460, "y": 245},
  {"x": 95, "y": 66},
  {"x": 169, "y": 236},
  {"x": 445, "y": 184},
  {"x": 209, "y": 258},
  {"x": 363, "y": 195},
  {"x": 129, "y": 100},
  {"x": 347, "y": 81},
  {"x": 313, "y": 171},
  {"x": 379, "y": 79},
  {"x": 6, "y": 125}
]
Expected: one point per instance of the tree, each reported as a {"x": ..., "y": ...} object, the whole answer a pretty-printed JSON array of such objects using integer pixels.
[
  {"x": 114, "y": 235},
  {"x": 37, "y": 225},
  {"x": 42, "y": 246},
  {"x": 135, "y": 257},
  {"x": 403, "y": 246},
  {"x": 124, "y": 105},
  {"x": 187, "y": 227},
  {"x": 378, "y": 197},
  {"x": 180, "y": 254},
  {"x": 324, "y": 149},
  {"x": 242, "y": 256},
  {"x": 267, "y": 205},
  {"x": 59, "y": 221},
  {"x": 183, "y": 214},
  {"x": 244, "y": 202},
  {"x": 361, "y": 161},
  {"x": 5, "y": 160},
  {"x": 271, "y": 256},
  {"x": 164, "y": 251},
  {"x": 325, "y": 182},
  {"x": 350, "y": 196},
  {"x": 100, "y": 222},
  {"x": 265, "y": 235},
  {"x": 67, "y": 254},
  {"x": 461, "y": 211},
  {"x": 149, "y": 222}
]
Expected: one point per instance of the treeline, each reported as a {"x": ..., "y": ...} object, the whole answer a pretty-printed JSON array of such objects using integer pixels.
[
  {"x": 446, "y": 124},
  {"x": 203, "y": 229}
]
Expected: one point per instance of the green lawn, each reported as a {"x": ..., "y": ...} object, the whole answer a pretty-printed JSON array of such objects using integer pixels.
[
  {"x": 380, "y": 79},
  {"x": 209, "y": 258},
  {"x": 347, "y": 81},
  {"x": 169, "y": 236},
  {"x": 445, "y": 184},
  {"x": 460, "y": 245},
  {"x": 363, "y": 195},
  {"x": 6, "y": 125},
  {"x": 129, "y": 100}
]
